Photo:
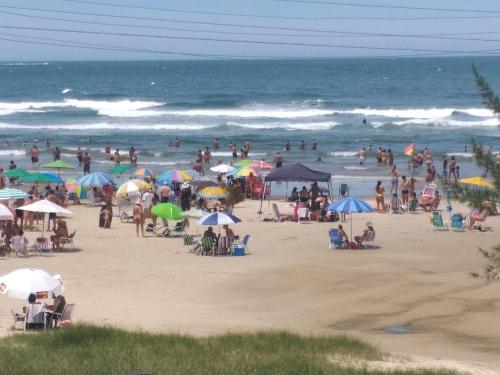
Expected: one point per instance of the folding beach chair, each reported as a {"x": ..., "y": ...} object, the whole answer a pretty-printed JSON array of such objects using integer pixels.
[
  {"x": 64, "y": 319},
  {"x": 437, "y": 222},
  {"x": 277, "y": 216},
  {"x": 68, "y": 240},
  {"x": 207, "y": 245},
  {"x": 335, "y": 241},
  {"x": 457, "y": 223}
]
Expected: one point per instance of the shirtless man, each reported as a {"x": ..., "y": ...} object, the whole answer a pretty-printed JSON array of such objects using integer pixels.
[
  {"x": 362, "y": 156},
  {"x": 34, "y": 156},
  {"x": 278, "y": 159},
  {"x": 207, "y": 155},
  {"x": 215, "y": 143},
  {"x": 302, "y": 145},
  {"x": 138, "y": 217},
  {"x": 197, "y": 167},
  {"x": 79, "y": 156}
]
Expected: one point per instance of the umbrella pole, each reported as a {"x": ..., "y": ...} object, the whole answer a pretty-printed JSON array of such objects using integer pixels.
[{"x": 351, "y": 226}]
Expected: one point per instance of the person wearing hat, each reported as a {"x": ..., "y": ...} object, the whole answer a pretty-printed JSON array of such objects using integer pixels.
[
  {"x": 185, "y": 197},
  {"x": 147, "y": 202},
  {"x": 368, "y": 234},
  {"x": 138, "y": 216}
]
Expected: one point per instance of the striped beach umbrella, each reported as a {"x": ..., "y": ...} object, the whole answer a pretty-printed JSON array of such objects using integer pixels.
[
  {"x": 72, "y": 186},
  {"x": 243, "y": 172},
  {"x": 218, "y": 218},
  {"x": 262, "y": 165},
  {"x": 95, "y": 179},
  {"x": 144, "y": 172},
  {"x": 174, "y": 176},
  {"x": 12, "y": 194},
  {"x": 350, "y": 205}
]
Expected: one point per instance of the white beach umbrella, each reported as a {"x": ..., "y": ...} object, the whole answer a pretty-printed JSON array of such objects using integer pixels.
[
  {"x": 22, "y": 282},
  {"x": 5, "y": 213},
  {"x": 222, "y": 168},
  {"x": 46, "y": 206},
  {"x": 12, "y": 194}
]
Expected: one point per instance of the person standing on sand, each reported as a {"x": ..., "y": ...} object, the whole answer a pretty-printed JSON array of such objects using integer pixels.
[
  {"x": 86, "y": 163},
  {"x": 394, "y": 173},
  {"x": 278, "y": 159},
  {"x": 138, "y": 217},
  {"x": 379, "y": 197}
]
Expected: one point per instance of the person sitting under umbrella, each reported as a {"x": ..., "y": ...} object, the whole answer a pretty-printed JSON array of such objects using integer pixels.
[
  {"x": 55, "y": 310},
  {"x": 368, "y": 233},
  {"x": 61, "y": 231}
]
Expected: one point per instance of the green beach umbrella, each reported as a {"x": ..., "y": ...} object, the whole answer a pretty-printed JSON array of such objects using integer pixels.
[
  {"x": 17, "y": 172},
  {"x": 167, "y": 211},
  {"x": 120, "y": 169},
  {"x": 244, "y": 163},
  {"x": 36, "y": 178},
  {"x": 58, "y": 164}
]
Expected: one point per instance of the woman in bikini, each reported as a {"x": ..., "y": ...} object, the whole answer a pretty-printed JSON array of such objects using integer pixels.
[
  {"x": 379, "y": 197},
  {"x": 138, "y": 217}
]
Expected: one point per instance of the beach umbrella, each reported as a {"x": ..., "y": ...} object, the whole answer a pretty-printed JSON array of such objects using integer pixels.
[
  {"x": 36, "y": 178},
  {"x": 222, "y": 168},
  {"x": 173, "y": 176},
  {"x": 12, "y": 194},
  {"x": 5, "y": 213},
  {"x": 193, "y": 174},
  {"x": 218, "y": 218},
  {"x": 213, "y": 192},
  {"x": 16, "y": 172},
  {"x": 22, "y": 282},
  {"x": 350, "y": 205},
  {"x": 194, "y": 213},
  {"x": 262, "y": 165},
  {"x": 244, "y": 163},
  {"x": 120, "y": 169},
  {"x": 46, "y": 207},
  {"x": 167, "y": 211},
  {"x": 95, "y": 179},
  {"x": 477, "y": 181},
  {"x": 55, "y": 178},
  {"x": 132, "y": 187},
  {"x": 243, "y": 172},
  {"x": 203, "y": 183},
  {"x": 58, "y": 164},
  {"x": 72, "y": 186},
  {"x": 144, "y": 172}
]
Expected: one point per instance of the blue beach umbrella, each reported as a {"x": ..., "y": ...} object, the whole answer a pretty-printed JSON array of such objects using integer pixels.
[
  {"x": 57, "y": 179},
  {"x": 350, "y": 205},
  {"x": 218, "y": 218},
  {"x": 95, "y": 179}
]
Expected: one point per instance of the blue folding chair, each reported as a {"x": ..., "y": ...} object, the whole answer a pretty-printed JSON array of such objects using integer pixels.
[{"x": 335, "y": 241}]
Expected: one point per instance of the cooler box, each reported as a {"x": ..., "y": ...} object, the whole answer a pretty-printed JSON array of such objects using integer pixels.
[{"x": 239, "y": 250}]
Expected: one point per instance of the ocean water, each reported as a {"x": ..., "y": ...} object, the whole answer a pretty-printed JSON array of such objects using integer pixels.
[{"x": 430, "y": 101}]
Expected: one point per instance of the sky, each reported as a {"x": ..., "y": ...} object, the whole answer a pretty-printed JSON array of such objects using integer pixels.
[{"x": 289, "y": 29}]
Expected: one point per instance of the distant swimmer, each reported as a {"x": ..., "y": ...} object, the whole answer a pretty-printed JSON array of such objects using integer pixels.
[
  {"x": 177, "y": 142},
  {"x": 364, "y": 121},
  {"x": 302, "y": 145},
  {"x": 314, "y": 145},
  {"x": 319, "y": 159},
  {"x": 287, "y": 146}
]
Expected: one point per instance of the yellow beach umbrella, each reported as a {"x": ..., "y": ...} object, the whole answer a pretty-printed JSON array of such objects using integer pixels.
[
  {"x": 213, "y": 192},
  {"x": 132, "y": 187},
  {"x": 477, "y": 181}
]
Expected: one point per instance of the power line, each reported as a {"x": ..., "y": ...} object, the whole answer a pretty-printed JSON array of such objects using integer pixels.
[
  {"x": 240, "y": 41},
  {"x": 346, "y": 33},
  {"x": 171, "y": 10},
  {"x": 152, "y": 27},
  {"x": 386, "y": 6}
]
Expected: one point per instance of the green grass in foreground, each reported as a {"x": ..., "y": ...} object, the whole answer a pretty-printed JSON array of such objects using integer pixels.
[{"x": 91, "y": 350}]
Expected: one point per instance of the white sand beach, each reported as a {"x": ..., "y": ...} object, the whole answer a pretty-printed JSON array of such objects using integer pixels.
[{"x": 415, "y": 278}]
